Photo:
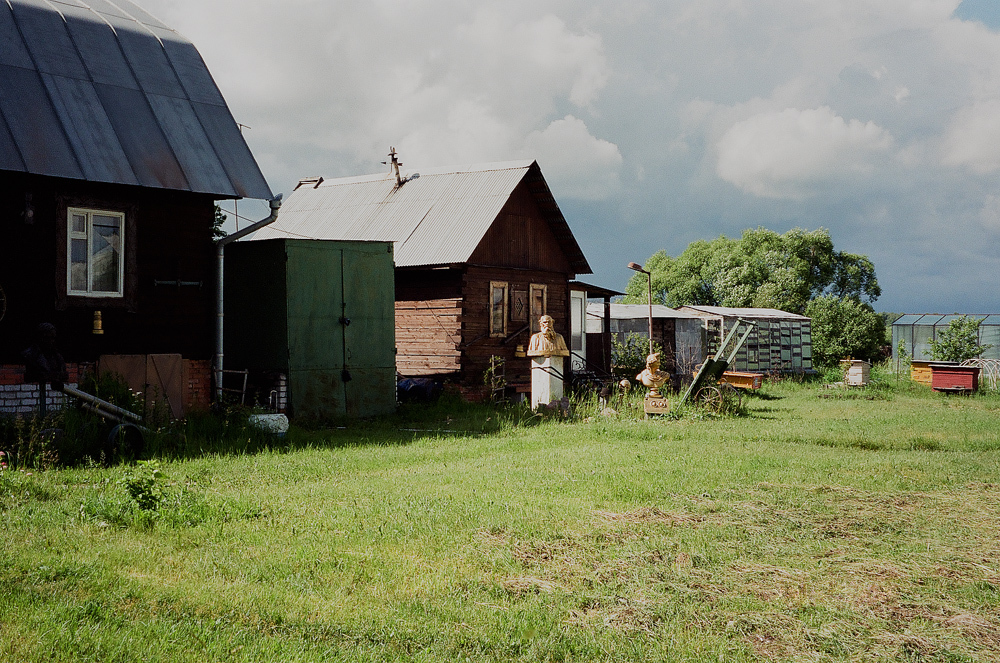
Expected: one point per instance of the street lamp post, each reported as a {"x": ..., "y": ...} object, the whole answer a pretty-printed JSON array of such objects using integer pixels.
[{"x": 649, "y": 298}]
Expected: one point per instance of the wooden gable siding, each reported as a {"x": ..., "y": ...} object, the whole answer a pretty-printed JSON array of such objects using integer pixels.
[
  {"x": 521, "y": 237},
  {"x": 168, "y": 237}
]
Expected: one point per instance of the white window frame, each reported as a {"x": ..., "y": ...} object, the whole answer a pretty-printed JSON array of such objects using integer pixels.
[{"x": 88, "y": 235}]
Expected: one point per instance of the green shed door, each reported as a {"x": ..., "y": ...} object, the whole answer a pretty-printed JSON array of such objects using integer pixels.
[
  {"x": 315, "y": 334},
  {"x": 370, "y": 338}
]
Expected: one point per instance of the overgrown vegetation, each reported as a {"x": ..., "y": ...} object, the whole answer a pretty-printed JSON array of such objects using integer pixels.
[{"x": 628, "y": 355}]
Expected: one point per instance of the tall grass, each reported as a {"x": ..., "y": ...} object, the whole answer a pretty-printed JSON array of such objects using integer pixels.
[{"x": 811, "y": 528}]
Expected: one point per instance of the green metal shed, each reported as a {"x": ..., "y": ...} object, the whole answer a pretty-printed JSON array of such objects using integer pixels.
[{"x": 319, "y": 313}]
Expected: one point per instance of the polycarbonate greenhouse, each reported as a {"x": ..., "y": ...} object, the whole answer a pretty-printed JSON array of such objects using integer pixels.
[{"x": 916, "y": 331}]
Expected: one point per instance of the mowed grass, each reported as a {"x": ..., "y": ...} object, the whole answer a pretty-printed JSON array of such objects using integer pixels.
[{"x": 823, "y": 525}]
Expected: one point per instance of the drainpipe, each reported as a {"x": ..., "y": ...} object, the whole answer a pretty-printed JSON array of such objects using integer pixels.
[{"x": 219, "y": 312}]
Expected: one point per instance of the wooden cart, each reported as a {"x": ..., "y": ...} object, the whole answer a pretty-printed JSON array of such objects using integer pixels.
[{"x": 710, "y": 387}]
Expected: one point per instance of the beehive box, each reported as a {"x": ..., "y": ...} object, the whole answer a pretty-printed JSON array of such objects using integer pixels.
[
  {"x": 857, "y": 373},
  {"x": 920, "y": 371},
  {"x": 952, "y": 378}
]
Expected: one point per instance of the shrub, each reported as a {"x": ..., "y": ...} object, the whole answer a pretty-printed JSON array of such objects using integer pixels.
[{"x": 960, "y": 341}]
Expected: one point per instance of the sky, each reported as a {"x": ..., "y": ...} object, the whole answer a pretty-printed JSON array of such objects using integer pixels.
[{"x": 655, "y": 123}]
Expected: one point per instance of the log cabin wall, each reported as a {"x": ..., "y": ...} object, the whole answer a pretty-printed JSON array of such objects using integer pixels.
[
  {"x": 167, "y": 238},
  {"x": 478, "y": 343}
]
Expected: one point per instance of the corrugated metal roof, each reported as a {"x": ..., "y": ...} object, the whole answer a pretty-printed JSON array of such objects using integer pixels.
[
  {"x": 437, "y": 217},
  {"x": 637, "y": 311},
  {"x": 731, "y": 312},
  {"x": 106, "y": 93}
]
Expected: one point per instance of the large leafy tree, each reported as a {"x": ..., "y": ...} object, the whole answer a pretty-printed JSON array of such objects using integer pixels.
[{"x": 760, "y": 269}]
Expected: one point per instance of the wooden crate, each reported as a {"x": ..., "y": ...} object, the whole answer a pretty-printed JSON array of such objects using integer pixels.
[{"x": 742, "y": 379}]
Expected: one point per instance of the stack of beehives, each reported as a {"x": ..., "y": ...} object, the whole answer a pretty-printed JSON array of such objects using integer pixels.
[{"x": 856, "y": 372}]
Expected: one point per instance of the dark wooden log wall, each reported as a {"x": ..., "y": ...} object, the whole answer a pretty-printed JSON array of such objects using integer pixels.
[
  {"x": 478, "y": 346},
  {"x": 168, "y": 237}
]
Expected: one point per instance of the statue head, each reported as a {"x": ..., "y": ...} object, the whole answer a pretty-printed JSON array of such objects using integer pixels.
[
  {"x": 653, "y": 361},
  {"x": 546, "y": 322}
]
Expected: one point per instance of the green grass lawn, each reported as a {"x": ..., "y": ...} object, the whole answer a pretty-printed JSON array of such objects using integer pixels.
[{"x": 822, "y": 525}]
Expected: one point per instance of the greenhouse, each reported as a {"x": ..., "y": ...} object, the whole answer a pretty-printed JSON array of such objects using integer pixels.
[{"x": 916, "y": 330}]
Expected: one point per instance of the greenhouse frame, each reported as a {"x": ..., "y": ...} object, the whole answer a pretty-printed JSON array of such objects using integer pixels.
[{"x": 916, "y": 330}]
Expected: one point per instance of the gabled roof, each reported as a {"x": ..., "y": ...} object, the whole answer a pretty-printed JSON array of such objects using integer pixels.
[
  {"x": 437, "y": 217},
  {"x": 729, "y": 312},
  {"x": 102, "y": 91}
]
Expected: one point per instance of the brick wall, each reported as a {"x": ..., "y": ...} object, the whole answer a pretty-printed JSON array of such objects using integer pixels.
[
  {"x": 16, "y": 397},
  {"x": 198, "y": 384}
]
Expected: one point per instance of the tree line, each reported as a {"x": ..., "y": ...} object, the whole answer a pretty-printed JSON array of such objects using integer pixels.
[{"x": 799, "y": 271}]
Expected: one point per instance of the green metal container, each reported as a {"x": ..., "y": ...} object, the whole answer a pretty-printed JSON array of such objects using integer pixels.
[{"x": 321, "y": 312}]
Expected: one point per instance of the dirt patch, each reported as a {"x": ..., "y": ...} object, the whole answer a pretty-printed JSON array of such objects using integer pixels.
[
  {"x": 522, "y": 585},
  {"x": 650, "y": 515}
]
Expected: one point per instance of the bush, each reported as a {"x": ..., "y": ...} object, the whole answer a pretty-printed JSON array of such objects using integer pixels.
[
  {"x": 845, "y": 328},
  {"x": 960, "y": 341},
  {"x": 628, "y": 356}
]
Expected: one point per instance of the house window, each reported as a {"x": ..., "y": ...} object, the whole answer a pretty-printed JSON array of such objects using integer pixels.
[
  {"x": 498, "y": 308},
  {"x": 538, "y": 298},
  {"x": 95, "y": 265}
]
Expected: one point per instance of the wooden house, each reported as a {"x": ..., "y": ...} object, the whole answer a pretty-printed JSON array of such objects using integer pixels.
[
  {"x": 481, "y": 252},
  {"x": 115, "y": 144},
  {"x": 781, "y": 342}
]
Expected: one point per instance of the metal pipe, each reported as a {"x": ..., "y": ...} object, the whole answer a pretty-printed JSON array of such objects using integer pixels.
[
  {"x": 220, "y": 246},
  {"x": 96, "y": 402}
]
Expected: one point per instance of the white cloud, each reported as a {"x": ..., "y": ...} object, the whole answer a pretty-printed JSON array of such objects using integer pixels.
[
  {"x": 576, "y": 164},
  {"x": 973, "y": 138},
  {"x": 783, "y": 154}
]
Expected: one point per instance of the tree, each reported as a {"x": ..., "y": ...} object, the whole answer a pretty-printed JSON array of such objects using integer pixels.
[
  {"x": 843, "y": 328},
  {"x": 959, "y": 341},
  {"x": 761, "y": 269},
  {"x": 220, "y": 218}
]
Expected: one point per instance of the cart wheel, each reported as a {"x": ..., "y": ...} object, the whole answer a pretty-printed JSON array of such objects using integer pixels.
[
  {"x": 732, "y": 394},
  {"x": 710, "y": 397}
]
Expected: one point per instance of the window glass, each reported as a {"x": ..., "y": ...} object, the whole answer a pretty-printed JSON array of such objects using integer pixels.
[
  {"x": 577, "y": 331},
  {"x": 95, "y": 262},
  {"x": 538, "y": 304},
  {"x": 498, "y": 308}
]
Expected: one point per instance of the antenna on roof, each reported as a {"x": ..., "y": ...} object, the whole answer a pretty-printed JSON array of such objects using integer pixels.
[{"x": 395, "y": 165}]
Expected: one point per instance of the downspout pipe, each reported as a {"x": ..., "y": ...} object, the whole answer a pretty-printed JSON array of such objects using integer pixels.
[{"x": 220, "y": 247}]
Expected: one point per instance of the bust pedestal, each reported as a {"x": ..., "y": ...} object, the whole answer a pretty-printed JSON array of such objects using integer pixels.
[{"x": 546, "y": 380}]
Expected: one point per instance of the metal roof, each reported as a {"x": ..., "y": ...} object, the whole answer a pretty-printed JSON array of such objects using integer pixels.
[
  {"x": 103, "y": 91},
  {"x": 437, "y": 217},
  {"x": 638, "y": 311},
  {"x": 938, "y": 319},
  {"x": 730, "y": 312}
]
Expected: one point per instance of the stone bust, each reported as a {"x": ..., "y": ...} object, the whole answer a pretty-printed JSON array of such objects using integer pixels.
[
  {"x": 547, "y": 343},
  {"x": 652, "y": 376}
]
